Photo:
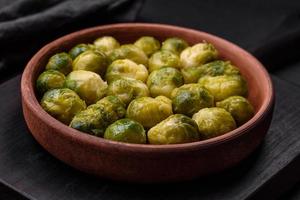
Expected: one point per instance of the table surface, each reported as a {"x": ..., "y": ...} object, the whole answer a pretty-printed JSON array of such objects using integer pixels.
[
  {"x": 34, "y": 173},
  {"x": 28, "y": 171}
]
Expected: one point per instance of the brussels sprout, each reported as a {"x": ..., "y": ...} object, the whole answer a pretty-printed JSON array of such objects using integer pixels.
[
  {"x": 97, "y": 117},
  {"x": 174, "y": 44},
  {"x": 49, "y": 79},
  {"x": 113, "y": 107},
  {"x": 106, "y": 44},
  {"x": 163, "y": 81},
  {"x": 126, "y": 68},
  {"x": 90, "y": 121},
  {"x": 191, "y": 74},
  {"x": 61, "y": 62},
  {"x": 175, "y": 129},
  {"x": 224, "y": 86},
  {"x": 88, "y": 85},
  {"x": 62, "y": 104},
  {"x": 131, "y": 52},
  {"x": 213, "y": 122},
  {"x": 78, "y": 49},
  {"x": 149, "y": 111},
  {"x": 163, "y": 58},
  {"x": 215, "y": 68},
  {"x": 126, "y": 130},
  {"x": 239, "y": 107},
  {"x": 190, "y": 98},
  {"x": 148, "y": 44},
  {"x": 198, "y": 54},
  {"x": 127, "y": 89},
  {"x": 219, "y": 67},
  {"x": 90, "y": 60}
]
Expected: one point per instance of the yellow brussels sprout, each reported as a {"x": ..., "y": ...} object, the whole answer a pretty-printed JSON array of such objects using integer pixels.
[
  {"x": 127, "y": 89},
  {"x": 224, "y": 86},
  {"x": 126, "y": 68},
  {"x": 106, "y": 44},
  {"x": 149, "y": 111},
  {"x": 190, "y": 98},
  {"x": 174, "y": 44},
  {"x": 78, "y": 49},
  {"x": 49, "y": 79},
  {"x": 198, "y": 54},
  {"x": 62, "y": 104},
  {"x": 131, "y": 52},
  {"x": 91, "y": 60},
  {"x": 126, "y": 130},
  {"x": 148, "y": 44},
  {"x": 174, "y": 129},
  {"x": 88, "y": 85},
  {"x": 97, "y": 117},
  {"x": 213, "y": 122},
  {"x": 163, "y": 58},
  {"x": 61, "y": 62},
  {"x": 239, "y": 107},
  {"x": 163, "y": 81}
]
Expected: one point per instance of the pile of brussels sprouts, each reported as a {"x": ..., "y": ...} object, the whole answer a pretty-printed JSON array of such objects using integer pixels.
[{"x": 146, "y": 92}]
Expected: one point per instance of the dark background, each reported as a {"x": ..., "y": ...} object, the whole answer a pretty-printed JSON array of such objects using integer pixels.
[{"x": 268, "y": 29}]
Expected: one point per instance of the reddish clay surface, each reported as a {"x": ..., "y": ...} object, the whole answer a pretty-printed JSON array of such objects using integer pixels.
[{"x": 149, "y": 163}]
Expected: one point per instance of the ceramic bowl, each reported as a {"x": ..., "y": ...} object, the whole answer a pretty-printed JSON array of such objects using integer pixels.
[{"x": 145, "y": 162}]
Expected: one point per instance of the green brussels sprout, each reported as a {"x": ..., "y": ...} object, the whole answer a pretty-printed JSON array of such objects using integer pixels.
[
  {"x": 49, "y": 79},
  {"x": 63, "y": 104},
  {"x": 174, "y": 129},
  {"x": 90, "y": 121},
  {"x": 163, "y": 58},
  {"x": 78, "y": 49},
  {"x": 88, "y": 85},
  {"x": 190, "y": 98},
  {"x": 106, "y": 44},
  {"x": 224, "y": 86},
  {"x": 90, "y": 60},
  {"x": 127, "y": 89},
  {"x": 239, "y": 107},
  {"x": 126, "y": 130},
  {"x": 213, "y": 122},
  {"x": 61, "y": 62},
  {"x": 198, "y": 54},
  {"x": 219, "y": 67},
  {"x": 149, "y": 111},
  {"x": 113, "y": 107},
  {"x": 126, "y": 68},
  {"x": 131, "y": 52},
  {"x": 174, "y": 44},
  {"x": 95, "y": 119},
  {"x": 163, "y": 81},
  {"x": 215, "y": 68},
  {"x": 191, "y": 74},
  {"x": 148, "y": 44}
]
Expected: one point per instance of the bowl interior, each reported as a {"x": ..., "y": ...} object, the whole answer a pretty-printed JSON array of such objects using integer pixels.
[{"x": 259, "y": 84}]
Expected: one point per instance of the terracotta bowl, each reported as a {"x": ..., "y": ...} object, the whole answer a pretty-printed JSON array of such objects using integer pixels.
[{"x": 144, "y": 162}]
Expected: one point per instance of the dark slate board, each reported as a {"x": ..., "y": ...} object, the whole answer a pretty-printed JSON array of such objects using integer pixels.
[{"x": 269, "y": 171}]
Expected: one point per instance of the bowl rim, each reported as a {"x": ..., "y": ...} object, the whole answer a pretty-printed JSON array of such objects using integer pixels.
[{"x": 29, "y": 98}]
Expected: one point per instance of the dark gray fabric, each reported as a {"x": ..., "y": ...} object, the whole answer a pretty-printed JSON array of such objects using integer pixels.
[
  {"x": 270, "y": 29},
  {"x": 26, "y": 25}
]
